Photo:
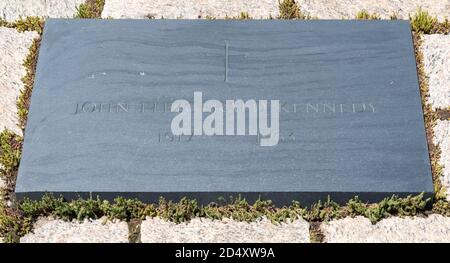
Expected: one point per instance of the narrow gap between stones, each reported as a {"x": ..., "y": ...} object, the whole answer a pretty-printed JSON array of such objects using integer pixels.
[
  {"x": 316, "y": 234},
  {"x": 443, "y": 114},
  {"x": 134, "y": 231}
]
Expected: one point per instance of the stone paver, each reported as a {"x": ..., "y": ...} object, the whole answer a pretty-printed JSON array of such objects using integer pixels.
[
  {"x": 189, "y": 9},
  {"x": 11, "y": 10},
  {"x": 338, "y": 9},
  {"x": 48, "y": 230},
  {"x": 14, "y": 47},
  {"x": 442, "y": 139},
  {"x": 436, "y": 56},
  {"x": 434, "y": 228},
  {"x": 227, "y": 230}
]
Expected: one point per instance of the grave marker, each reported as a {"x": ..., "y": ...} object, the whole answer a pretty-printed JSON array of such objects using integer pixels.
[{"x": 350, "y": 116}]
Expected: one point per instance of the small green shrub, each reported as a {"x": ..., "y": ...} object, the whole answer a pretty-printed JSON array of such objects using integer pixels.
[
  {"x": 90, "y": 9},
  {"x": 392, "y": 206},
  {"x": 31, "y": 23},
  {"x": 127, "y": 209},
  {"x": 408, "y": 206},
  {"x": 10, "y": 152},
  {"x": 239, "y": 209},
  {"x": 422, "y": 22},
  {"x": 80, "y": 209},
  {"x": 182, "y": 211},
  {"x": 17, "y": 222},
  {"x": 244, "y": 16},
  {"x": 289, "y": 9},
  {"x": 284, "y": 214},
  {"x": 364, "y": 15},
  {"x": 325, "y": 211},
  {"x": 12, "y": 224},
  {"x": 356, "y": 207}
]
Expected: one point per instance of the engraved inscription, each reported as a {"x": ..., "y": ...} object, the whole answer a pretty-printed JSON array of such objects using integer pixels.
[{"x": 164, "y": 107}]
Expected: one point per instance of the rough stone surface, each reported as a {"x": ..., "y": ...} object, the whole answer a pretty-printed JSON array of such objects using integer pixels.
[
  {"x": 442, "y": 139},
  {"x": 265, "y": 8},
  {"x": 338, "y": 9},
  {"x": 434, "y": 228},
  {"x": 226, "y": 230},
  {"x": 14, "y": 47},
  {"x": 49, "y": 230},
  {"x": 12, "y": 10},
  {"x": 189, "y": 9},
  {"x": 436, "y": 52}
]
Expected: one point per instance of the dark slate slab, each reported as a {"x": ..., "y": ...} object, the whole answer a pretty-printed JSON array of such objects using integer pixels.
[{"x": 307, "y": 65}]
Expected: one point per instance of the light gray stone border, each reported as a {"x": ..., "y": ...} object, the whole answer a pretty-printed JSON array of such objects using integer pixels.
[
  {"x": 12, "y": 10},
  {"x": 434, "y": 228},
  {"x": 226, "y": 230},
  {"x": 51, "y": 230}
]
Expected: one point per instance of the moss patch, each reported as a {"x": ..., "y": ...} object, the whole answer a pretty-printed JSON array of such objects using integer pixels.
[
  {"x": 238, "y": 209},
  {"x": 90, "y": 9},
  {"x": 16, "y": 222},
  {"x": 31, "y": 23},
  {"x": 13, "y": 224},
  {"x": 182, "y": 211},
  {"x": 23, "y": 103},
  {"x": 393, "y": 206},
  {"x": 10, "y": 153}
]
